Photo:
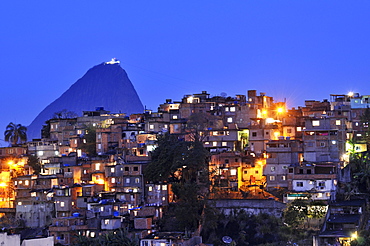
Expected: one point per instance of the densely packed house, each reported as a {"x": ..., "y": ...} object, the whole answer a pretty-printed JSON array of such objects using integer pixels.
[{"x": 91, "y": 179}]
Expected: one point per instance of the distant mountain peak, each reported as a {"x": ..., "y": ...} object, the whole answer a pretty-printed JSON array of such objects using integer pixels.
[
  {"x": 101, "y": 86},
  {"x": 113, "y": 61}
]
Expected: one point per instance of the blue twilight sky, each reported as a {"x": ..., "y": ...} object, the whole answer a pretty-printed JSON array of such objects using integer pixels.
[{"x": 298, "y": 49}]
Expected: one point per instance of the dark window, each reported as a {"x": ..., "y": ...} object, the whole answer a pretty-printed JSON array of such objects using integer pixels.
[
  {"x": 254, "y": 134},
  {"x": 308, "y": 171},
  {"x": 136, "y": 169},
  {"x": 300, "y": 171},
  {"x": 226, "y": 160},
  {"x": 127, "y": 169}
]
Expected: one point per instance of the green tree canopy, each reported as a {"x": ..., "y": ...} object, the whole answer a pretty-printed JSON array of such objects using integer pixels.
[
  {"x": 175, "y": 160},
  {"x": 15, "y": 133},
  {"x": 34, "y": 162},
  {"x": 185, "y": 165},
  {"x": 89, "y": 140}
]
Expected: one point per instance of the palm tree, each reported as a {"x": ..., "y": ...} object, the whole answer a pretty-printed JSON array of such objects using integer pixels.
[{"x": 15, "y": 133}]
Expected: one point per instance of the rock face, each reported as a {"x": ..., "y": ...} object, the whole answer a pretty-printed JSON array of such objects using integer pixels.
[{"x": 105, "y": 85}]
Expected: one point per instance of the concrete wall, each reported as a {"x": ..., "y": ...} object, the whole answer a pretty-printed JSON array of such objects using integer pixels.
[
  {"x": 36, "y": 215},
  {"x": 48, "y": 241},
  {"x": 13, "y": 240},
  {"x": 253, "y": 206}
]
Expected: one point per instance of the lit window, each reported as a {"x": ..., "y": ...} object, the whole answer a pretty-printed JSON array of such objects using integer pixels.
[
  {"x": 315, "y": 123},
  {"x": 113, "y": 180},
  {"x": 19, "y": 203},
  {"x": 272, "y": 178},
  {"x": 337, "y": 122},
  {"x": 319, "y": 195},
  {"x": 229, "y": 120},
  {"x": 214, "y": 143},
  {"x": 226, "y": 109},
  {"x": 137, "y": 180},
  {"x": 150, "y": 188},
  {"x": 151, "y": 127},
  {"x": 92, "y": 234},
  {"x": 206, "y": 143},
  {"x": 26, "y": 182},
  {"x": 232, "y": 109},
  {"x": 174, "y": 117},
  {"x": 112, "y": 169},
  {"x": 106, "y": 222},
  {"x": 97, "y": 166},
  {"x": 127, "y": 180},
  {"x": 101, "y": 209},
  {"x": 333, "y": 142},
  {"x": 62, "y": 204},
  {"x": 233, "y": 172},
  {"x": 164, "y": 187},
  {"x": 272, "y": 169},
  {"x": 283, "y": 177},
  {"x": 163, "y": 198},
  {"x": 224, "y": 143},
  {"x": 299, "y": 129}
]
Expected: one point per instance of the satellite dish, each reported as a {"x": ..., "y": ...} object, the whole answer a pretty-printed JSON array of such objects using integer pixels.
[
  {"x": 223, "y": 94},
  {"x": 227, "y": 239}
]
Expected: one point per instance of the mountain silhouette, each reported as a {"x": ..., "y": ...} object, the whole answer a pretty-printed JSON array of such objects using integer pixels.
[{"x": 105, "y": 85}]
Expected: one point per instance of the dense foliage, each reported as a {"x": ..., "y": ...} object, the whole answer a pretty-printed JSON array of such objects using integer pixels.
[
  {"x": 249, "y": 229},
  {"x": 89, "y": 140},
  {"x": 184, "y": 164},
  {"x": 115, "y": 238},
  {"x": 34, "y": 162}
]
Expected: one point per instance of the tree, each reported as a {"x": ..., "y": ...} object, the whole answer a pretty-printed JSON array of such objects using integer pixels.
[
  {"x": 185, "y": 165},
  {"x": 15, "y": 133},
  {"x": 200, "y": 124},
  {"x": 116, "y": 238},
  {"x": 89, "y": 140},
  {"x": 64, "y": 114},
  {"x": 296, "y": 212},
  {"x": 34, "y": 162}
]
